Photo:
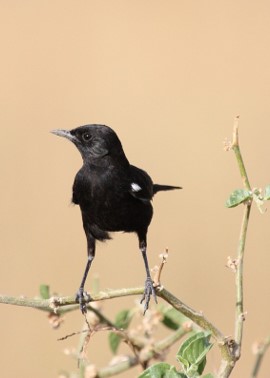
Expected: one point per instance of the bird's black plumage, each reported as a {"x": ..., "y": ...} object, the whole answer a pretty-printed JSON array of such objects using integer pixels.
[{"x": 113, "y": 195}]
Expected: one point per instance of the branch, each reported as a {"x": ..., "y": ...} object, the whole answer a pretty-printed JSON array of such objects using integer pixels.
[
  {"x": 199, "y": 319},
  {"x": 56, "y": 304},
  {"x": 236, "y": 148},
  {"x": 236, "y": 346},
  {"x": 239, "y": 311},
  {"x": 118, "y": 368},
  {"x": 59, "y": 305},
  {"x": 63, "y": 304},
  {"x": 262, "y": 348}
]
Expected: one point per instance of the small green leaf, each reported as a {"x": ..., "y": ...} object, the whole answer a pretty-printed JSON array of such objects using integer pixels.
[
  {"x": 156, "y": 371},
  {"x": 209, "y": 375},
  {"x": 44, "y": 291},
  {"x": 238, "y": 196},
  {"x": 162, "y": 370},
  {"x": 172, "y": 318},
  {"x": 114, "y": 341},
  {"x": 122, "y": 321},
  {"x": 192, "y": 353},
  {"x": 192, "y": 347},
  {"x": 266, "y": 196},
  {"x": 202, "y": 364}
]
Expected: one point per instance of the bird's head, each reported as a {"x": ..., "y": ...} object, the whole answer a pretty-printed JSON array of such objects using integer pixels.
[{"x": 95, "y": 142}]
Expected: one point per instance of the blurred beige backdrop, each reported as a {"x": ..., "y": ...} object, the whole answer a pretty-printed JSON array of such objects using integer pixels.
[{"x": 169, "y": 77}]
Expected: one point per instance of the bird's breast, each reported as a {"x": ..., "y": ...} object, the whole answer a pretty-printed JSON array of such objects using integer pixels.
[{"x": 107, "y": 202}]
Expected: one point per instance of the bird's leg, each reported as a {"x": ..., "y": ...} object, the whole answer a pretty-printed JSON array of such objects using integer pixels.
[
  {"x": 149, "y": 288},
  {"x": 82, "y": 297}
]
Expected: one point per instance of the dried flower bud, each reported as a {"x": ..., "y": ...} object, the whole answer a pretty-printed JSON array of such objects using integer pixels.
[
  {"x": 90, "y": 371},
  {"x": 232, "y": 264},
  {"x": 55, "y": 320}
]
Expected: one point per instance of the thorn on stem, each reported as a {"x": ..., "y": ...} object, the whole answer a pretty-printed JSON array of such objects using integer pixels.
[{"x": 243, "y": 316}]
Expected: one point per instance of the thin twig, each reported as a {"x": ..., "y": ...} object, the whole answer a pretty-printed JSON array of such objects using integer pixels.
[
  {"x": 239, "y": 311},
  {"x": 199, "y": 319},
  {"x": 236, "y": 149},
  {"x": 236, "y": 345},
  {"x": 155, "y": 351},
  {"x": 158, "y": 349},
  {"x": 110, "y": 371},
  {"x": 157, "y": 276},
  {"x": 262, "y": 348}
]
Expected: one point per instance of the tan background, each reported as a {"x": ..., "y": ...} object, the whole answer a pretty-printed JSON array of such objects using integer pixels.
[{"x": 169, "y": 77}]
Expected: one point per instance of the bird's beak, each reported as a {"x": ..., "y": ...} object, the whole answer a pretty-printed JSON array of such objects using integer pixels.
[{"x": 64, "y": 133}]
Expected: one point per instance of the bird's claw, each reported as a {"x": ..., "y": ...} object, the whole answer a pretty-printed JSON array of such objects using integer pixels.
[
  {"x": 148, "y": 291},
  {"x": 82, "y": 297}
]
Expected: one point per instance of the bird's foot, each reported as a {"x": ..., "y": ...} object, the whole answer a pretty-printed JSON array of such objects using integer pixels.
[
  {"x": 148, "y": 291},
  {"x": 82, "y": 297}
]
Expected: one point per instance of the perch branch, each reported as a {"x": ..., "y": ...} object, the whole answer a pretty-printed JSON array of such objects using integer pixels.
[{"x": 56, "y": 304}]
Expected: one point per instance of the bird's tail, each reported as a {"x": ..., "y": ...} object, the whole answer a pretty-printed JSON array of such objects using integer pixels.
[{"x": 158, "y": 188}]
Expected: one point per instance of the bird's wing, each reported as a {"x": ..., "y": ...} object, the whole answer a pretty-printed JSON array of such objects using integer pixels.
[{"x": 141, "y": 185}]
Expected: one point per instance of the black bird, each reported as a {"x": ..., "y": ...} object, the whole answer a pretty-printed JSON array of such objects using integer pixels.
[{"x": 113, "y": 195}]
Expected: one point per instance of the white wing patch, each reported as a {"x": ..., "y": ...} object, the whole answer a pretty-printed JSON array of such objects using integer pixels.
[{"x": 135, "y": 187}]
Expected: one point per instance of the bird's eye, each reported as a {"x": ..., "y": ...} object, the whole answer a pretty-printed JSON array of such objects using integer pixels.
[{"x": 86, "y": 136}]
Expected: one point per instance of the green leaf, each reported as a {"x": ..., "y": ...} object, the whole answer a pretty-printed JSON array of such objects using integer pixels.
[
  {"x": 172, "y": 318},
  {"x": 44, "y": 291},
  {"x": 162, "y": 370},
  {"x": 122, "y": 321},
  {"x": 114, "y": 341},
  {"x": 238, "y": 196},
  {"x": 156, "y": 371},
  {"x": 192, "y": 353},
  {"x": 208, "y": 376},
  {"x": 201, "y": 366},
  {"x": 266, "y": 196}
]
